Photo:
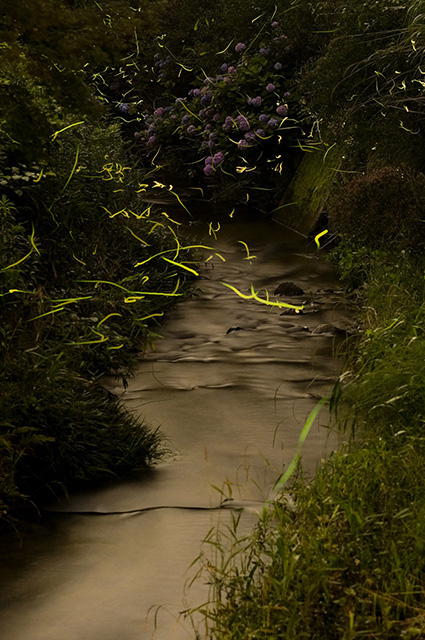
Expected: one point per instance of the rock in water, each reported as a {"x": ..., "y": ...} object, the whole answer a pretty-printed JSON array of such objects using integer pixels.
[
  {"x": 233, "y": 329},
  {"x": 288, "y": 289}
]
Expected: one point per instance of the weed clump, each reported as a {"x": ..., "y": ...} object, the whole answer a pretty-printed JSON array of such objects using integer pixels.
[{"x": 382, "y": 210}]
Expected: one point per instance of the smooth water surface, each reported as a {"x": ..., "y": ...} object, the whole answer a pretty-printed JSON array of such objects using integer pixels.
[{"x": 230, "y": 383}]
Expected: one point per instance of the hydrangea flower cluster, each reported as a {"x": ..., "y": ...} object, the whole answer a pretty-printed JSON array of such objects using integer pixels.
[{"x": 220, "y": 118}]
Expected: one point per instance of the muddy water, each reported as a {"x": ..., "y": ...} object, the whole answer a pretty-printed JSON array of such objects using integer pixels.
[{"x": 231, "y": 383}]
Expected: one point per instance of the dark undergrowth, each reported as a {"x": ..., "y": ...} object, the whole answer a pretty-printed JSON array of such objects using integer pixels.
[{"x": 86, "y": 264}]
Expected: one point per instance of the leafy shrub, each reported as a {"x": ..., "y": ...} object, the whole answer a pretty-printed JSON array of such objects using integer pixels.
[
  {"x": 59, "y": 431},
  {"x": 382, "y": 210},
  {"x": 231, "y": 124}
]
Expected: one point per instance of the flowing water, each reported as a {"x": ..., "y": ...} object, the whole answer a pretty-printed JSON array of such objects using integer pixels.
[{"x": 231, "y": 383}]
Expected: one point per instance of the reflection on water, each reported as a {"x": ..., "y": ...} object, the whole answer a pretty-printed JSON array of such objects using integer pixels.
[{"x": 230, "y": 383}]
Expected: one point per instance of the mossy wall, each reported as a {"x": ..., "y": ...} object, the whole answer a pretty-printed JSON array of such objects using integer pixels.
[{"x": 306, "y": 195}]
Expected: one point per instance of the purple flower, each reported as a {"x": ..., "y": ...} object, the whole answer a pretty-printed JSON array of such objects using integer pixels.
[
  {"x": 219, "y": 78},
  {"x": 216, "y": 117},
  {"x": 282, "y": 110},
  {"x": 208, "y": 80},
  {"x": 159, "y": 112},
  {"x": 254, "y": 102},
  {"x": 218, "y": 158},
  {"x": 243, "y": 144},
  {"x": 273, "y": 123},
  {"x": 211, "y": 144},
  {"x": 249, "y": 136},
  {"x": 227, "y": 79},
  {"x": 124, "y": 107},
  {"x": 208, "y": 169},
  {"x": 151, "y": 141},
  {"x": 287, "y": 94},
  {"x": 277, "y": 66},
  {"x": 240, "y": 47},
  {"x": 208, "y": 127},
  {"x": 243, "y": 123},
  {"x": 191, "y": 129},
  {"x": 185, "y": 119},
  {"x": 208, "y": 160},
  {"x": 137, "y": 134},
  {"x": 265, "y": 51},
  {"x": 261, "y": 133},
  {"x": 224, "y": 67},
  {"x": 206, "y": 99},
  {"x": 228, "y": 124},
  {"x": 270, "y": 87},
  {"x": 274, "y": 24},
  {"x": 231, "y": 70},
  {"x": 263, "y": 117}
]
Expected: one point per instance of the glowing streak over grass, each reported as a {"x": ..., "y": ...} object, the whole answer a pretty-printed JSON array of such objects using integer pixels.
[
  {"x": 108, "y": 316},
  {"x": 281, "y": 482},
  {"x": 155, "y": 225},
  {"x": 69, "y": 300},
  {"x": 48, "y": 313},
  {"x": 224, "y": 50},
  {"x": 180, "y": 202},
  {"x": 320, "y": 235},
  {"x": 154, "y": 158},
  {"x": 182, "y": 266},
  {"x": 17, "y": 291},
  {"x": 102, "y": 339},
  {"x": 137, "y": 293},
  {"x": 254, "y": 296},
  {"x": 18, "y": 261},
  {"x": 39, "y": 177},
  {"x": 55, "y": 135},
  {"x": 170, "y": 219},
  {"x": 72, "y": 170},
  {"x": 137, "y": 237},
  {"x": 32, "y": 240},
  {"x": 78, "y": 260},
  {"x": 191, "y": 112},
  {"x": 197, "y": 189},
  {"x": 152, "y": 315}
]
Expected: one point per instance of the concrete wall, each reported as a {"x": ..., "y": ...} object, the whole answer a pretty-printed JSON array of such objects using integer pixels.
[{"x": 305, "y": 197}]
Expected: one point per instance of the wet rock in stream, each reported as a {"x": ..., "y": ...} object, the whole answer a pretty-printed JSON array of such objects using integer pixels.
[{"x": 288, "y": 289}]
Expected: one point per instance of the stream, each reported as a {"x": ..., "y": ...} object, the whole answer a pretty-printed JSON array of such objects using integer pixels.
[{"x": 230, "y": 383}]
